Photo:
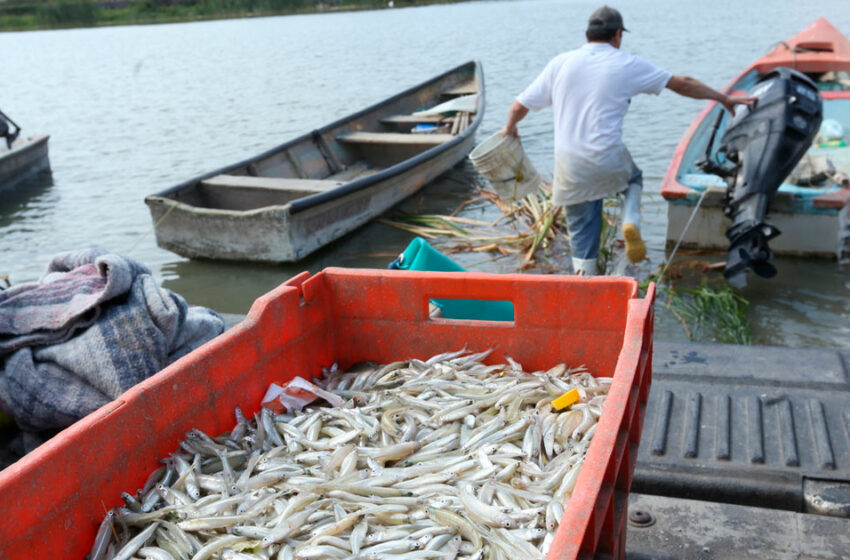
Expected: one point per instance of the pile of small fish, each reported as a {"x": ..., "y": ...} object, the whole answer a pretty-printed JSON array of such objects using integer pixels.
[{"x": 446, "y": 458}]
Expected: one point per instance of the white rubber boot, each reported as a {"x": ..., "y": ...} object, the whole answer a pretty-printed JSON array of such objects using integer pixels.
[
  {"x": 631, "y": 204},
  {"x": 585, "y": 267}
]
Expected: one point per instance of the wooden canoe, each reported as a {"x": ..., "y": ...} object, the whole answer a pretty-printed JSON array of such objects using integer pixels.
[
  {"x": 813, "y": 220},
  {"x": 289, "y": 201},
  {"x": 26, "y": 159}
]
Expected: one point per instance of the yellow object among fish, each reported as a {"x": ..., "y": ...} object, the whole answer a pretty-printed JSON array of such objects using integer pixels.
[{"x": 567, "y": 399}]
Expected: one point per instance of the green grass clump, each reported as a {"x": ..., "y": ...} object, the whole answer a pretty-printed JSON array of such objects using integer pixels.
[
  {"x": 717, "y": 313},
  {"x": 608, "y": 241}
]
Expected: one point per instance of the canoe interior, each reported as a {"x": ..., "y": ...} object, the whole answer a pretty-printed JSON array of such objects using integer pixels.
[
  {"x": 249, "y": 192},
  {"x": 357, "y": 146}
]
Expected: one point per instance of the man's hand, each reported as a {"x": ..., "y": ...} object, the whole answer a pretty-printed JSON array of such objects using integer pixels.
[
  {"x": 509, "y": 130},
  {"x": 516, "y": 113},
  {"x": 730, "y": 101}
]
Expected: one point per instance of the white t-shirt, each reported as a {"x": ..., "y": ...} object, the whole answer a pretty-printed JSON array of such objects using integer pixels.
[{"x": 590, "y": 89}]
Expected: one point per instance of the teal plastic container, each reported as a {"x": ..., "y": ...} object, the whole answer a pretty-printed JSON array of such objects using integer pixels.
[{"x": 419, "y": 255}]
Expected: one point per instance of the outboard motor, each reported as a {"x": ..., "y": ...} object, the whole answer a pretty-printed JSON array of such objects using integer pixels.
[
  {"x": 760, "y": 147},
  {"x": 6, "y": 133}
]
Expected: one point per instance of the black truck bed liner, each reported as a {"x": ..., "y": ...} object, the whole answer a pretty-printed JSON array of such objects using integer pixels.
[{"x": 752, "y": 430}]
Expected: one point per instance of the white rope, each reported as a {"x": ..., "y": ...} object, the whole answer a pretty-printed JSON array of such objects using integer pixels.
[
  {"x": 140, "y": 239},
  {"x": 682, "y": 236}
]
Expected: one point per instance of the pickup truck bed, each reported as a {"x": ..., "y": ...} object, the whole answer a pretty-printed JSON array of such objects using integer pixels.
[{"x": 745, "y": 452}]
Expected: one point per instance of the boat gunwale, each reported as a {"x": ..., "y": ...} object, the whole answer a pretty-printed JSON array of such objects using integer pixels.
[
  {"x": 673, "y": 190},
  {"x": 31, "y": 143},
  {"x": 179, "y": 206},
  {"x": 306, "y": 202}
]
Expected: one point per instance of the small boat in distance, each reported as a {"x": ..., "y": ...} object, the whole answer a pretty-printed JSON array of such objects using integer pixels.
[
  {"x": 289, "y": 201},
  {"x": 812, "y": 207},
  {"x": 21, "y": 159}
]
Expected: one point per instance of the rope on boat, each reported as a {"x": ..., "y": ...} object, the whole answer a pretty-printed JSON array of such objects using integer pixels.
[
  {"x": 682, "y": 236},
  {"x": 159, "y": 221}
]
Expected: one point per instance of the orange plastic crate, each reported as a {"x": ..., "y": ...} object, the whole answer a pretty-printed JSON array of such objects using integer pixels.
[{"x": 54, "y": 498}]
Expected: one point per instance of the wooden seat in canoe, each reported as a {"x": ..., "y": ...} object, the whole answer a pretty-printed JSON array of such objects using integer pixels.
[
  {"x": 396, "y": 138},
  {"x": 271, "y": 183}
]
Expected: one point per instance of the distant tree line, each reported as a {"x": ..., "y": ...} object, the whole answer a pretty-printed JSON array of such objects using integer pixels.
[{"x": 31, "y": 14}]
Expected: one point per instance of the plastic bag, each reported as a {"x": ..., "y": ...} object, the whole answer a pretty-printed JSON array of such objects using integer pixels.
[
  {"x": 830, "y": 130},
  {"x": 295, "y": 395},
  {"x": 466, "y": 103}
]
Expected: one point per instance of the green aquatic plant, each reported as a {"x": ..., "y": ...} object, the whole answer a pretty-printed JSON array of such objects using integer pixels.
[
  {"x": 717, "y": 313},
  {"x": 608, "y": 241}
]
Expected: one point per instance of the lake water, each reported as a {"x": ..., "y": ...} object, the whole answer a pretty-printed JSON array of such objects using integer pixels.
[{"x": 135, "y": 110}]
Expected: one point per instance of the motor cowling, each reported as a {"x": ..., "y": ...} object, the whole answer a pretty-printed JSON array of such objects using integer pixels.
[
  {"x": 6, "y": 133},
  {"x": 760, "y": 148}
]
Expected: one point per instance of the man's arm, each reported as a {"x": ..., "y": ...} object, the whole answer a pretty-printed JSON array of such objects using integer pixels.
[
  {"x": 690, "y": 87},
  {"x": 517, "y": 112}
]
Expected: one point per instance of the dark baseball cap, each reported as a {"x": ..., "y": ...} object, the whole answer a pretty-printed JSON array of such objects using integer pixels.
[{"x": 605, "y": 18}]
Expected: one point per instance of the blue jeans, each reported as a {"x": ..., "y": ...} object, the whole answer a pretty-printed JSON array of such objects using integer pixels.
[{"x": 584, "y": 220}]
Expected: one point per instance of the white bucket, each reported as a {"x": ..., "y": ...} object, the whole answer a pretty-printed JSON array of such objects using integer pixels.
[{"x": 504, "y": 163}]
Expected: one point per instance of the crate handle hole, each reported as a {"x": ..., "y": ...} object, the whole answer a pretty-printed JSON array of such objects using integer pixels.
[{"x": 455, "y": 309}]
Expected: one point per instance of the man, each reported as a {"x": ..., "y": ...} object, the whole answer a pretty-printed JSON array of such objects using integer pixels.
[{"x": 590, "y": 89}]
